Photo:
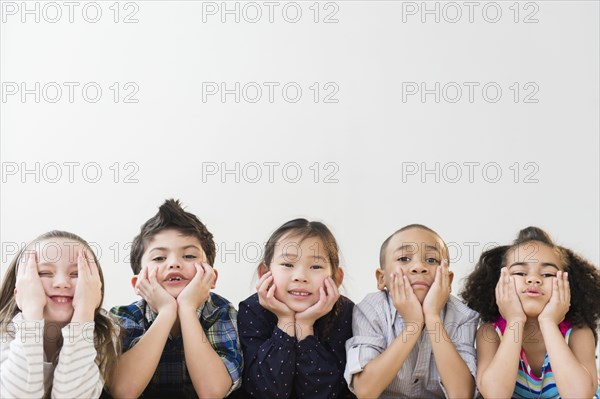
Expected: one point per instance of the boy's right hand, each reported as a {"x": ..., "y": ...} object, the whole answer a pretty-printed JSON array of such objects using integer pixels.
[
  {"x": 29, "y": 291},
  {"x": 508, "y": 301},
  {"x": 266, "y": 297},
  {"x": 404, "y": 298},
  {"x": 148, "y": 287}
]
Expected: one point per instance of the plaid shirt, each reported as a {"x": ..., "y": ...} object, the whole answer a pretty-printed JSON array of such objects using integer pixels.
[{"x": 218, "y": 318}]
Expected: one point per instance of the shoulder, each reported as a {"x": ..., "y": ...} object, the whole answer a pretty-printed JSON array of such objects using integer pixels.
[
  {"x": 374, "y": 306},
  {"x": 134, "y": 312},
  {"x": 345, "y": 303},
  {"x": 459, "y": 312},
  {"x": 217, "y": 307}
]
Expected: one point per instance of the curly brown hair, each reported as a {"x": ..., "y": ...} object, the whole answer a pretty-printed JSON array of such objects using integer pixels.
[
  {"x": 584, "y": 280},
  {"x": 171, "y": 215}
]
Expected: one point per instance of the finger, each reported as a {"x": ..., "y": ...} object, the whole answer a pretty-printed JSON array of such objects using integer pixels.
[
  {"x": 83, "y": 269},
  {"x": 91, "y": 261},
  {"x": 265, "y": 285},
  {"x": 560, "y": 287},
  {"x": 334, "y": 287},
  {"x": 31, "y": 265},
  {"x": 567, "y": 288},
  {"x": 393, "y": 286},
  {"x": 445, "y": 273},
  {"x": 271, "y": 292},
  {"x": 262, "y": 279},
  {"x": 152, "y": 276}
]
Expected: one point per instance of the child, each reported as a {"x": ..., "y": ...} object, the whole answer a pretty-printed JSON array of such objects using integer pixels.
[
  {"x": 56, "y": 340},
  {"x": 413, "y": 318},
  {"x": 532, "y": 319},
  {"x": 180, "y": 339},
  {"x": 294, "y": 329}
]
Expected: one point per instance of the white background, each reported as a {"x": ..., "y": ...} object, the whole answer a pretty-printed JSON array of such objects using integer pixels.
[{"x": 365, "y": 144}]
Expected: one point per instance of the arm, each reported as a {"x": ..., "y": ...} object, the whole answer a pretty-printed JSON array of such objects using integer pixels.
[
  {"x": 143, "y": 349},
  {"x": 378, "y": 373},
  {"x": 573, "y": 365},
  {"x": 454, "y": 373},
  {"x": 498, "y": 360},
  {"x": 208, "y": 373},
  {"x": 77, "y": 374},
  {"x": 21, "y": 361},
  {"x": 321, "y": 362},
  {"x": 269, "y": 353},
  {"x": 21, "y": 358}
]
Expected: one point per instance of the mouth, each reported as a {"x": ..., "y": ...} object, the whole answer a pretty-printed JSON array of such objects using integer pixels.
[
  {"x": 61, "y": 299},
  {"x": 419, "y": 285},
  {"x": 174, "y": 278},
  {"x": 533, "y": 292},
  {"x": 299, "y": 293}
]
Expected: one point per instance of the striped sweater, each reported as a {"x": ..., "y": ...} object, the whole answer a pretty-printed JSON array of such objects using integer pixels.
[{"x": 24, "y": 372}]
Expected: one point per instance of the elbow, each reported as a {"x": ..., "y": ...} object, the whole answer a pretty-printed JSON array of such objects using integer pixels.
[
  {"x": 212, "y": 391},
  {"x": 363, "y": 391},
  {"x": 125, "y": 392}
]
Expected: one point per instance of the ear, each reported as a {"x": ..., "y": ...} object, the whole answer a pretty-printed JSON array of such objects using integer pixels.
[
  {"x": 451, "y": 278},
  {"x": 339, "y": 276},
  {"x": 134, "y": 280},
  {"x": 262, "y": 269},
  {"x": 379, "y": 274},
  {"x": 214, "y": 284}
]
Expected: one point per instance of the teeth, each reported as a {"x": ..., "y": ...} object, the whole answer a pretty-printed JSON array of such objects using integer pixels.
[
  {"x": 175, "y": 279},
  {"x": 61, "y": 300},
  {"x": 299, "y": 293}
]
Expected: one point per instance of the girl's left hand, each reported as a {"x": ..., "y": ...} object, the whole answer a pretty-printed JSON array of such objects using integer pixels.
[
  {"x": 560, "y": 300},
  {"x": 88, "y": 290},
  {"x": 196, "y": 293},
  {"x": 328, "y": 296}
]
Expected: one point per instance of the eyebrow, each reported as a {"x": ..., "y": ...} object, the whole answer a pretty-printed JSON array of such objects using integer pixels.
[
  {"x": 49, "y": 264},
  {"x": 184, "y": 248},
  {"x": 286, "y": 256},
  {"x": 413, "y": 245},
  {"x": 526, "y": 264}
]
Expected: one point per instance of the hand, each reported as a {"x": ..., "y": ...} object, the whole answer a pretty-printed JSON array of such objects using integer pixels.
[
  {"x": 152, "y": 292},
  {"x": 508, "y": 301},
  {"x": 438, "y": 293},
  {"x": 328, "y": 296},
  {"x": 88, "y": 291},
  {"x": 29, "y": 291},
  {"x": 560, "y": 300},
  {"x": 196, "y": 293},
  {"x": 266, "y": 297},
  {"x": 404, "y": 298}
]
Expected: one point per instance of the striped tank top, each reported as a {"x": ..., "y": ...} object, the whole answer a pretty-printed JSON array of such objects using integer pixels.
[{"x": 528, "y": 385}]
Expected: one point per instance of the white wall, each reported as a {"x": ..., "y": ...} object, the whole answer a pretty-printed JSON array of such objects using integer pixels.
[{"x": 366, "y": 144}]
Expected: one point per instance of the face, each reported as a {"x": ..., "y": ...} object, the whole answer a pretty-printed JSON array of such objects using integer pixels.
[
  {"x": 533, "y": 265},
  {"x": 174, "y": 255},
  {"x": 57, "y": 268},
  {"x": 299, "y": 269},
  {"x": 417, "y": 253}
]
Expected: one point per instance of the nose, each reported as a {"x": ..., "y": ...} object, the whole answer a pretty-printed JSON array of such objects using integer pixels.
[
  {"x": 174, "y": 263},
  {"x": 418, "y": 267},
  {"x": 299, "y": 275},
  {"x": 61, "y": 280},
  {"x": 534, "y": 279}
]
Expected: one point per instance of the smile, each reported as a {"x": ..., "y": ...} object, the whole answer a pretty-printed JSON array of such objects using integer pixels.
[
  {"x": 299, "y": 293},
  {"x": 61, "y": 299}
]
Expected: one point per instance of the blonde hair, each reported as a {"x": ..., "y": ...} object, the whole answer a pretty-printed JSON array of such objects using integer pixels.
[{"x": 106, "y": 339}]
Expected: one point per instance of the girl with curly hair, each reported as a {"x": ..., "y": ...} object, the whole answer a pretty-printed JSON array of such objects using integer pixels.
[{"x": 539, "y": 305}]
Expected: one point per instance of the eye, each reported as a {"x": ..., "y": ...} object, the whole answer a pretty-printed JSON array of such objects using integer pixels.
[
  {"x": 518, "y": 273},
  {"x": 74, "y": 274},
  {"x": 45, "y": 274},
  {"x": 316, "y": 267},
  {"x": 287, "y": 265},
  {"x": 404, "y": 259},
  {"x": 158, "y": 259},
  {"x": 548, "y": 275},
  {"x": 433, "y": 261},
  {"x": 190, "y": 256}
]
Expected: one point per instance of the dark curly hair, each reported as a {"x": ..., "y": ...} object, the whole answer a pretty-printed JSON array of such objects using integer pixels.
[
  {"x": 584, "y": 280},
  {"x": 172, "y": 216}
]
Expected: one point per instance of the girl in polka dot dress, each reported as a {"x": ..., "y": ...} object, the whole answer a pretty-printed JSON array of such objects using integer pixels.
[{"x": 294, "y": 329}]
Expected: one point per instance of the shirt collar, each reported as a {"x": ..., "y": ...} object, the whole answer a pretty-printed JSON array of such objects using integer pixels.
[{"x": 208, "y": 307}]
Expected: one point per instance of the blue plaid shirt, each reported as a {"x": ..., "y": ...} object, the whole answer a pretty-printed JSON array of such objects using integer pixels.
[{"x": 218, "y": 318}]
